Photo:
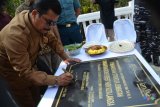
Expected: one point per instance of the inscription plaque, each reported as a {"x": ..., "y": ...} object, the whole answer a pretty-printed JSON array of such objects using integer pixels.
[{"x": 111, "y": 82}]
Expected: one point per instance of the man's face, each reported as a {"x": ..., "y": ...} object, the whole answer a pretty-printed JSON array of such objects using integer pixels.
[{"x": 44, "y": 22}]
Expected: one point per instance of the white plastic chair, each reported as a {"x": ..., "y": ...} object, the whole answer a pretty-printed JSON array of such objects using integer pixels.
[
  {"x": 124, "y": 30},
  {"x": 95, "y": 32}
]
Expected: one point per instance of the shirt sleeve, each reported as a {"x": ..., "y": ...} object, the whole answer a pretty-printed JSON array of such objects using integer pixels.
[
  {"x": 16, "y": 46},
  {"x": 56, "y": 44},
  {"x": 76, "y": 4}
]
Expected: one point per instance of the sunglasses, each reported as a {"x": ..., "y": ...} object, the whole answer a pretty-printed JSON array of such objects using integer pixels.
[{"x": 49, "y": 22}]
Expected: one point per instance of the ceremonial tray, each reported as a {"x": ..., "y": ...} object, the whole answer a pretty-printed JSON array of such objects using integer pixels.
[{"x": 113, "y": 82}]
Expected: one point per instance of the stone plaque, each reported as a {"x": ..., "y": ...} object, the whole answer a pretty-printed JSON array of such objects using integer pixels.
[{"x": 112, "y": 82}]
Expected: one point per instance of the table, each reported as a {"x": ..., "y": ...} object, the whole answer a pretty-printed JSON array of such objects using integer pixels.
[{"x": 49, "y": 95}]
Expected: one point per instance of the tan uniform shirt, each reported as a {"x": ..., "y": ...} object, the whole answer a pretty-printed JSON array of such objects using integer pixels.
[{"x": 20, "y": 44}]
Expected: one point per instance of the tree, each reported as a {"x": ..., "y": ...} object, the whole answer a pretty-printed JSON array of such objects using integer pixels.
[
  {"x": 87, "y": 6},
  {"x": 12, "y": 5}
]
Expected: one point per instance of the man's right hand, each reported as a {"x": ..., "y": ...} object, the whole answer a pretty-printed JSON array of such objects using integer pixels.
[{"x": 64, "y": 79}]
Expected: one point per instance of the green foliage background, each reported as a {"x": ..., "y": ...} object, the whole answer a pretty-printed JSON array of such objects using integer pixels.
[
  {"x": 12, "y": 5},
  {"x": 86, "y": 5}
]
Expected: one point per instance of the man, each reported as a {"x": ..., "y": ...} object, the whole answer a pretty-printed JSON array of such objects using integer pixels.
[
  {"x": 20, "y": 42},
  {"x": 147, "y": 32},
  {"x": 107, "y": 15},
  {"x": 47, "y": 60},
  {"x": 67, "y": 22},
  {"x": 154, "y": 6}
]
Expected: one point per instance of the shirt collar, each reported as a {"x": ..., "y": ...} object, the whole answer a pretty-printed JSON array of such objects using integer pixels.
[{"x": 30, "y": 25}]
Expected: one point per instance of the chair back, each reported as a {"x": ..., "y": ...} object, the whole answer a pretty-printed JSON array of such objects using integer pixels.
[
  {"x": 124, "y": 30},
  {"x": 95, "y": 32}
]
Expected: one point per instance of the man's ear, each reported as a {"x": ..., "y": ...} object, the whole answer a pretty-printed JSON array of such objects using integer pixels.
[{"x": 34, "y": 13}]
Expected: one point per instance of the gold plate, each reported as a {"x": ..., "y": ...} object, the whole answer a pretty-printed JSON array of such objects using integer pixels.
[{"x": 96, "y": 50}]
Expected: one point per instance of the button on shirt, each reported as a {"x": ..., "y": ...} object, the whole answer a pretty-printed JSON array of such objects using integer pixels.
[{"x": 68, "y": 11}]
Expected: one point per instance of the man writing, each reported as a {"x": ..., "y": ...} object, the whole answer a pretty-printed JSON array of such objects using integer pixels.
[
  {"x": 47, "y": 60},
  {"x": 20, "y": 42}
]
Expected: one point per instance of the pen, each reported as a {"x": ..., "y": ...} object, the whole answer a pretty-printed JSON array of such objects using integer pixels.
[{"x": 74, "y": 79}]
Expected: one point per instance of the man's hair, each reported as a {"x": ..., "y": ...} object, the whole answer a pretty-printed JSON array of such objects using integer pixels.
[{"x": 42, "y": 6}]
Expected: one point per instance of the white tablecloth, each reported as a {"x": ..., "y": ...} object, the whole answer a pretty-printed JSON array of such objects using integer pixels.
[{"x": 49, "y": 95}]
